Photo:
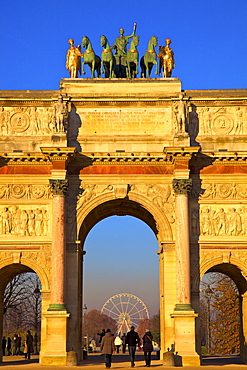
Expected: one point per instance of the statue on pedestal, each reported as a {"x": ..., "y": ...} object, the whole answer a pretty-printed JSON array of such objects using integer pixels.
[
  {"x": 120, "y": 46},
  {"x": 60, "y": 115},
  {"x": 181, "y": 113},
  {"x": 166, "y": 57},
  {"x": 73, "y": 59}
]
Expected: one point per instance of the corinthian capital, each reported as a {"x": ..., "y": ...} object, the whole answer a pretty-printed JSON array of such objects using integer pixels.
[
  {"x": 59, "y": 187},
  {"x": 182, "y": 186}
]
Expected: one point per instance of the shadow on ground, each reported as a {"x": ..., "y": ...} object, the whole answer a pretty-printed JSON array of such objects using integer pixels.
[{"x": 221, "y": 360}]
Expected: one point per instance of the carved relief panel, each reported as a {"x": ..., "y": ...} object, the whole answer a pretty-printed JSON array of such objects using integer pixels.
[
  {"x": 23, "y": 191},
  {"x": 222, "y": 121},
  {"x": 218, "y": 190},
  {"x": 26, "y": 120},
  {"x": 223, "y": 220},
  {"x": 25, "y": 221}
]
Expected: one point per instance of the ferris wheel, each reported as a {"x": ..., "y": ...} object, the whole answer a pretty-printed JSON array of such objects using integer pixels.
[{"x": 126, "y": 309}]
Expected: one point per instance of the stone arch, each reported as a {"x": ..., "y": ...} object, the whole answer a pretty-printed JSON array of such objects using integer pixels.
[
  {"x": 139, "y": 206},
  {"x": 8, "y": 269},
  {"x": 235, "y": 269}
]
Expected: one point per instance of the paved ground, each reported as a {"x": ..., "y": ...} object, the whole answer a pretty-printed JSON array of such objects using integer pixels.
[{"x": 95, "y": 362}]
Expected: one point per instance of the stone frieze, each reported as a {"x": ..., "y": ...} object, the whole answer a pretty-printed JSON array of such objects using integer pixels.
[
  {"x": 219, "y": 190},
  {"x": 22, "y": 191},
  {"x": 24, "y": 221}
]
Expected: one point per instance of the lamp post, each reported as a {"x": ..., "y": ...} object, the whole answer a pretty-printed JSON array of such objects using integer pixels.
[
  {"x": 85, "y": 336},
  {"x": 208, "y": 293},
  {"x": 37, "y": 294}
]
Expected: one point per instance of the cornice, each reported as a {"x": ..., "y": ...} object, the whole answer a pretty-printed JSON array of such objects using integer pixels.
[
  {"x": 22, "y": 159},
  {"x": 123, "y": 158},
  {"x": 59, "y": 154},
  {"x": 227, "y": 157}
]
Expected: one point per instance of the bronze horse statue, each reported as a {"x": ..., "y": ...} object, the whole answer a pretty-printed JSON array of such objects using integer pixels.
[
  {"x": 108, "y": 60},
  {"x": 133, "y": 58},
  {"x": 92, "y": 60},
  {"x": 150, "y": 58}
]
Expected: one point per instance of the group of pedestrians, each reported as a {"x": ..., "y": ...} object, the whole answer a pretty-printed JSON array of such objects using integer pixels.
[
  {"x": 108, "y": 344},
  {"x": 7, "y": 344}
]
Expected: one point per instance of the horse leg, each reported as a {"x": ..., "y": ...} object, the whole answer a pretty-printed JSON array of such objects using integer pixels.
[
  {"x": 102, "y": 66},
  {"x": 137, "y": 71},
  {"x": 93, "y": 66},
  {"x": 147, "y": 70},
  {"x": 110, "y": 69},
  {"x": 82, "y": 68},
  {"x": 128, "y": 70},
  {"x": 156, "y": 71}
]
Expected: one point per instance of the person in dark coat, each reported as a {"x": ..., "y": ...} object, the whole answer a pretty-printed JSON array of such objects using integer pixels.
[
  {"x": 18, "y": 344},
  {"x": 29, "y": 343},
  {"x": 147, "y": 347},
  {"x": 124, "y": 342},
  {"x": 4, "y": 342},
  {"x": 107, "y": 347},
  {"x": 132, "y": 339},
  {"x": 8, "y": 346},
  {"x": 101, "y": 335}
]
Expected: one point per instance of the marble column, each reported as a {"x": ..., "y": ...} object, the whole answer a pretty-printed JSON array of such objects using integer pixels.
[
  {"x": 182, "y": 188},
  {"x": 59, "y": 190}
]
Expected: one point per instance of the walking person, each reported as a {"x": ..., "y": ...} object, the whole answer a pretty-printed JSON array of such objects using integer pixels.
[
  {"x": 101, "y": 335},
  {"x": 4, "y": 343},
  {"x": 123, "y": 342},
  {"x": 118, "y": 343},
  {"x": 132, "y": 339},
  {"x": 107, "y": 347},
  {"x": 18, "y": 345},
  {"x": 147, "y": 347},
  {"x": 29, "y": 343},
  {"x": 8, "y": 346}
]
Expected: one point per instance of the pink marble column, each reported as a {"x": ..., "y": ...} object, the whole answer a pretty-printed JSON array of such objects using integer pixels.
[
  {"x": 182, "y": 188},
  {"x": 59, "y": 189}
]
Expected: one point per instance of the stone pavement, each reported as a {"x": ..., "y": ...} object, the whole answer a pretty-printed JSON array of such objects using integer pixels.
[{"x": 95, "y": 362}]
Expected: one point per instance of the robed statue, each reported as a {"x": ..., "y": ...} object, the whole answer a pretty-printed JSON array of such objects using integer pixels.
[
  {"x": 73, "y": 59},
  {"x": 166, "y": 57},
  {"x": 120, "y": 46}
]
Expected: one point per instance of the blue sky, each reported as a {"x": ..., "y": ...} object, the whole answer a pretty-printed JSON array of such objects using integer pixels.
[{"x": 209, "y": 42}]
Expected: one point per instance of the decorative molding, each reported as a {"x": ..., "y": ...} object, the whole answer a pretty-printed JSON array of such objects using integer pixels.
[{"x": 23, "y": 191}]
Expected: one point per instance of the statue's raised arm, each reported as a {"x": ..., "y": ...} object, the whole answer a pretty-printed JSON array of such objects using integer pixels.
[
  {"x": 121, "y": 42},
  {"x": 120, "y": 47}
]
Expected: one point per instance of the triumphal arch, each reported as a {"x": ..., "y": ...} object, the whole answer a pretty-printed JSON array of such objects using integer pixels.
[{"x": 175, "y": 159}]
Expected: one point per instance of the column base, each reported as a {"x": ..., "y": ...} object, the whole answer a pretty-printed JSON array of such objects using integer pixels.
[
  {"x": 187, "y": 360},
  {"x": 56, "y": 307},
  {"x": 55, "y": 342},
  {"x": 184, "y": 333}
]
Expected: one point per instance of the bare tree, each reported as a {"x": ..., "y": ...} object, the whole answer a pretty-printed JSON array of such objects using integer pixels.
[{"x": 22, "y": 304}]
